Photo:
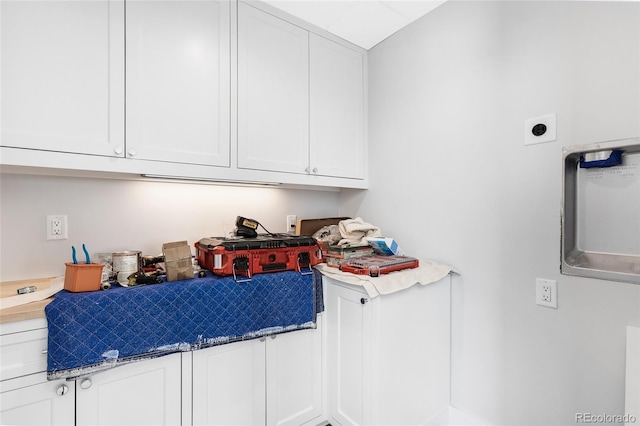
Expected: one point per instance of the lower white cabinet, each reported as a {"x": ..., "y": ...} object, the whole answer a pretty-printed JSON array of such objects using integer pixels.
[
  {"x": 32, "y": 400},
  {"x": 229, "y": 384},
  {"x": 294, "y": 378},
  {"x": 388, "y": 356},
  {"x": 141, "y": 393},
  {"x": 274, "y": 381},
  {"x": 385, "y": 362},
  {"x": 277, "y": 380},
  {"x": 26, "y": 396}
]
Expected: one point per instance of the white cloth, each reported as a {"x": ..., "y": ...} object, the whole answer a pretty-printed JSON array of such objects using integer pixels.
[
  {"x": 356, "y": 231},
  {"x": 428, "y": 272}
]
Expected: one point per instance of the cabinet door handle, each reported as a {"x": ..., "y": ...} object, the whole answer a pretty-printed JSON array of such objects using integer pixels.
[
  {"x": 86, "y": 384},
  {"x": 273, "y": 336},
  {"x": 364, "y": 300},
  {"x": 132, "y": 152},
  {"x": 315, "y": 170},
  {"x": 117, "y": 150},
  {"x": 62, "y": 390},
  {"x": 44, "y": 351},
  {"x": 262, "y": 339},
  {"x": 307, "y": 170}
]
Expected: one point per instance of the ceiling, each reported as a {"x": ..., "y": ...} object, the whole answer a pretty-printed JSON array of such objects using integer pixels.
[{"x": 362, "y": 22}]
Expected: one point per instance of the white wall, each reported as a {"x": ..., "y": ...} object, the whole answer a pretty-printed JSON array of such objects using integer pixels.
[
  {"x": 451, "y": 180},
  {"x": 113, "y": 215}
]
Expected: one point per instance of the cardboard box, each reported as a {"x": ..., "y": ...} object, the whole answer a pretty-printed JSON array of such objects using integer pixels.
[
  {"x": 310, "y": 226},
  {"x": 385, "y": 246},
  {"x": 177, "y": 261}
]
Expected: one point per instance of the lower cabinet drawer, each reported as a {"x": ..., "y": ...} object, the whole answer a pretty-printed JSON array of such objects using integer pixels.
[{"x": 23, "y": 353}]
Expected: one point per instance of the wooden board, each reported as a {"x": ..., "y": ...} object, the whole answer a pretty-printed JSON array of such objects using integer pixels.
[
  {"x": 10, "y": 288},
  {"x": 308, "y": 227},
  {"x": 29, "y": 310}
]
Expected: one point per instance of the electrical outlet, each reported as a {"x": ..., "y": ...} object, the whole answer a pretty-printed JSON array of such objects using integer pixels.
[
  {"x": 291, "y": 223},
  {"x": 57, "y": 227},
  {"x": 546, "y": 293}
]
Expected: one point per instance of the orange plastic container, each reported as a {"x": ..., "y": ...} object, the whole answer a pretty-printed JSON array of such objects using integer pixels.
[{"x": 80, "y": 277}]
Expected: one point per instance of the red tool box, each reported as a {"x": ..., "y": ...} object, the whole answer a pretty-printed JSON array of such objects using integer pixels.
[
  {"x": 377, "y": 265},
  {"x": 265, "y": 253}
]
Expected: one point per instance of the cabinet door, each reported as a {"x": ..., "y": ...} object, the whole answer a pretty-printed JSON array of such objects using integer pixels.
[
  {"x": 63, "y": 76},
  {"x": 273, "y": 93},
  {"x": 229, "y": 384},
  {"x": 178, "y": 81},
  {"x": 142, "y": 393},
  {"x": 337, "y": 109},
  {"x": 349, "y": 345},
  {"x": 294, "y": 377},
  {"x": 41, "y": 403}
]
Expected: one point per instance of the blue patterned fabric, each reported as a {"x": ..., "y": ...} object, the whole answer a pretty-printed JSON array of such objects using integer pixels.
[{"x": 93, "y": 331}]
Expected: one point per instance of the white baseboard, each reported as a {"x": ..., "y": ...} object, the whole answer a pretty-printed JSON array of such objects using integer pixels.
[
  {"x": 632, "y": 386},
  {"x": 453, "y": 416}
]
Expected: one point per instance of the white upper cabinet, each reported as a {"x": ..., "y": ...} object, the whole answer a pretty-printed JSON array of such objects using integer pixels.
[
  {"x": 300, "y": 100},
  {"x": 221, "y": 90},
  {"x": 63, "y": 76},
  {"x": 273, "y": 93},
  {"x": 336, "y": 110},
  {"x": 178, "y": 81}
]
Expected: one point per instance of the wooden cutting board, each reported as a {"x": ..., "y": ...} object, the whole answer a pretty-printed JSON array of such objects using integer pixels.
[{"x": 308, "y": 227}]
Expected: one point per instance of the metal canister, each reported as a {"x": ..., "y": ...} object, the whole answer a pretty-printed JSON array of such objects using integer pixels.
[{"x": 125, "y": 263}]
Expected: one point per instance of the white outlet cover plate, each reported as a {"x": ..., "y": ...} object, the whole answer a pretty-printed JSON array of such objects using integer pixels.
[
  {"x": 63, "y": 222},
  {"x": 540, "y": 283},
  {"x": 548, "y": 120},
  {"x": 291, "y": 223}
]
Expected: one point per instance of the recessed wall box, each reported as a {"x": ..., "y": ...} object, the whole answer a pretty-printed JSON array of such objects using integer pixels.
[
  {"x": 540, "y": 129},
  {"x": 600, "y": 217}
]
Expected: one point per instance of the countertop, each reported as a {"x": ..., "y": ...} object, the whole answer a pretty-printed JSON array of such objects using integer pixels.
[{"x": 24, "y": 312}]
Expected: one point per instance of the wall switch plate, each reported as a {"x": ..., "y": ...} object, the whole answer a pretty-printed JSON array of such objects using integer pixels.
[
  {"x": 546, "y": 293},
  {"x": 292, "y": 220},
  {"x": 540, "y": 129},
  {"x": 57, "y": 228}
]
